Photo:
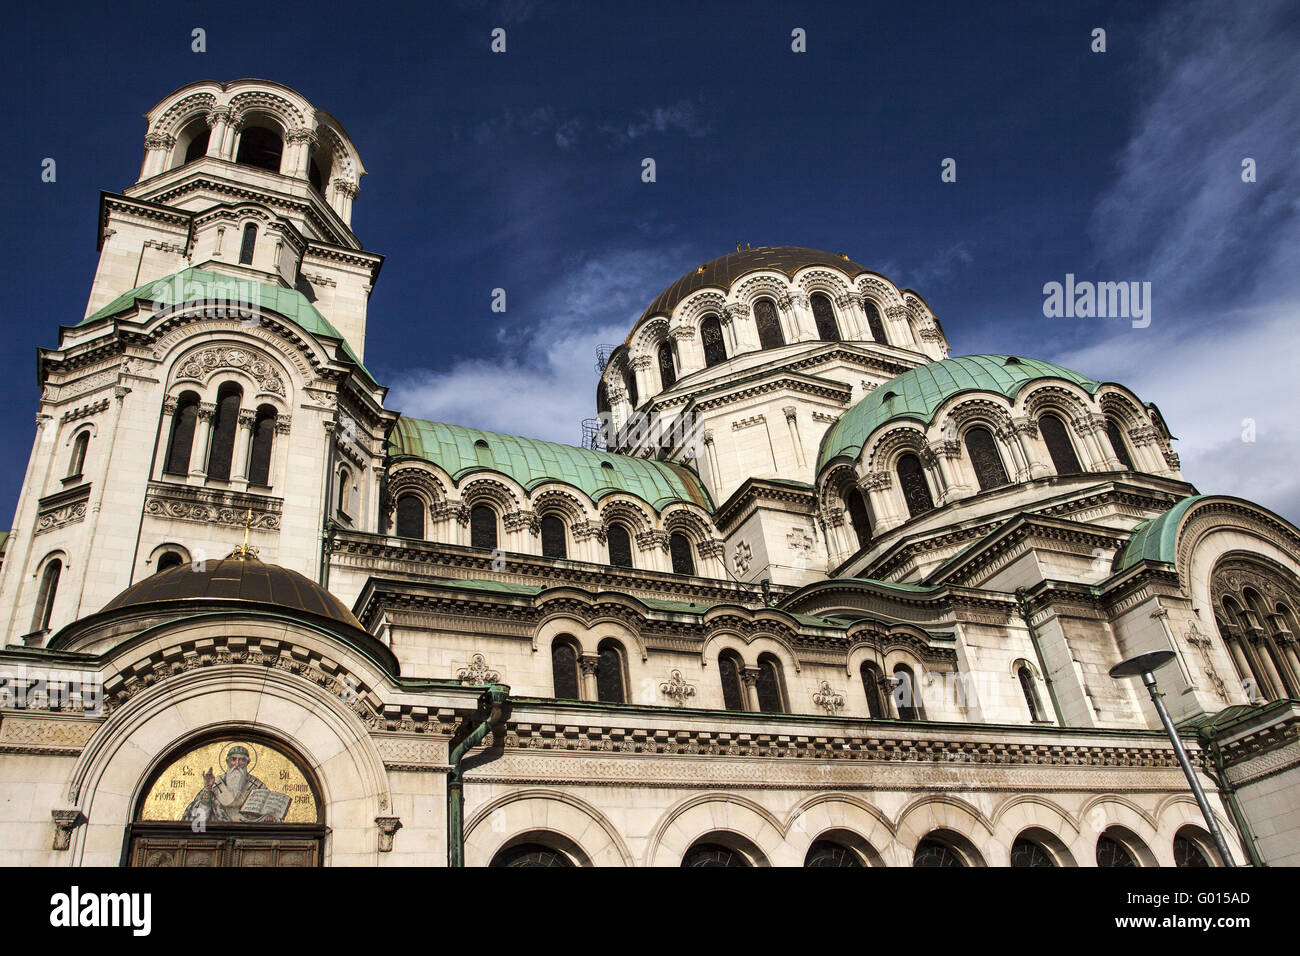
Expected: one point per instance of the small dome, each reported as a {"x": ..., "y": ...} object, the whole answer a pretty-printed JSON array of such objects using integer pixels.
[
  {"x": 918, "y": 393},
  {"x": 236, "y": 579},
  {"x": 722, "y": 273}
]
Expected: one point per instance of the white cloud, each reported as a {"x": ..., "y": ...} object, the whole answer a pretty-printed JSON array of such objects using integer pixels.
[
  {"x": 544, "y": 382},
  {"x": 1220, "y": 253}
]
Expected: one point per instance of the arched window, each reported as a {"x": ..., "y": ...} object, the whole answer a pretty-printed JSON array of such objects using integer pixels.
[
  {"x": 824, "y": 316},
  {"x": 77, "y": 462},
  {"x": 907, "y": 696},
  {"x": 667, "y": 370},
  {"x": 182, "y": 436},
  {"x": 733, "y": 692},
  {"x": 482, "y": 527},
  {"x": 1064, "y": 460},
  {"x": 260, "y": 147},
  {"x": 318, "y": 171},
  {"x": 248, "y": 244},
  {"x": 715, "y": 348},
  {"x": 197, "y": 148},
  {"x": 931, "y": 852},
  {"x": 343, "y": 498},
  {"x": 985, "y": 459},
  {"x": 629, "y": 383},
  {"x": 168, "y": 560},
  {"x": 770, "y": 698},
  {"x": 259, "y": 456},
  {"x": 554, "y": 539},
  {"x": 769, "y": 326},
  {"x": 871, "y": 679},
  {"x": 531, "y": 855},
  {"x": 223, "y": 430},
  {"x": 1030, "y": 691},
  {"x": 45, "y": 596},
  {"x": 1027, "y": 852},
  {"x": 410, "y": 516},
  {"x": 911, "y": 478},
  {"x": 1187, "y": 851},
  {"x": 1117, "y": 443},
  {"x": 1110, "y": 852},
  {"x": 564, "y": 669},
  {"x": 712, "y": 855},
  {"x": 610, "y": 686},
  {"x": 875, "y": 324},
  {"x": 1270, "y": 645},
  {"x": 858, "y": 515},
  {"x": 620, "y": 546},
  {"x": 830, "y": 853},
  {"x": 679, "y": 548},
  {"x": 177, "y": 810}
]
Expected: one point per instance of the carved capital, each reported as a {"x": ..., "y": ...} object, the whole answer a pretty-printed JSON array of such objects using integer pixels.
[
  {"x": 683, "y": 333},
  {"x": 790, "y": 412},
  {"x": 1025, "y": 426},
  {"x": 649, "y": 540},
  {"x": 524, "y": 518},
  {"x": 65, "y": 821},
  {"x": 589, "y": 663},
  {"x": 170, "y": 404},
  {"x": 248, "y": 417},
  {"x": 207, "y": 411},
  {"x": 875, "y": 479},
  {"x": 159, "y": 140},
  {"x": 388, "y": 827}
]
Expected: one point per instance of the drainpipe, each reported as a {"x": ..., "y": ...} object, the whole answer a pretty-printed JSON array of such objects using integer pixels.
[
  {"x": 1220, "y": 778},
  {"x": 493, "y": 701},
  {"x": 1023, "y": 603}
]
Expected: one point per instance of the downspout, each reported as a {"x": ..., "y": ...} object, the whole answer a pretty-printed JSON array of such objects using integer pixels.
[
  {"x": 1023, "y": 603},
  {"x": 1229, "y": 794},
  {"x": 493, "y": 700}
]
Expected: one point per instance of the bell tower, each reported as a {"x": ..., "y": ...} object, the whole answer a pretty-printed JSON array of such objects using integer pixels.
[
  {"x": 214, "y": 391},
  {"x": 249, "y": 180}
]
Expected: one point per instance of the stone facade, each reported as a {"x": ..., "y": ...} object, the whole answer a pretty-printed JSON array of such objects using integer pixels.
[{"x": 822, "y": 659}]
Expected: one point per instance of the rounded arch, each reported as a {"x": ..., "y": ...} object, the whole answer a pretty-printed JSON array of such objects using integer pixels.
[
  {"x": 946, "y": 847},
  {"x": 167, "y": 547},
  {"x": 122, "y": 756},
  {"x": 933, "y": 813},
  {"x": 530, "y": 815},
  {"x": 1043, "y": 819},
  {"x": 714, "y": 816},
  {"x": 841, "y": 818}
]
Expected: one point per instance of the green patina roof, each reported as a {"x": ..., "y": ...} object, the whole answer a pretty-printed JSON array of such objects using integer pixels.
[
  {"x": 531, "y": 463},
  {"x": 918, "y": 393},
  {"x": 1155, "y": 540},
  {"x": 193, "y": 285}
]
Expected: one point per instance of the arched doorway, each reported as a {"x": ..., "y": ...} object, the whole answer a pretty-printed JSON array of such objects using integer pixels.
[{"x": 230, "y": 800}]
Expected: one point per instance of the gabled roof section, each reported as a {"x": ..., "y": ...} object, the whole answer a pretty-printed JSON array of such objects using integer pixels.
[
  {"x": 199, "y": 285},
  {"x": 1157, "y": 539},
  {"x": 460, "y": 451},
  {"x": 918, "y": 393}
]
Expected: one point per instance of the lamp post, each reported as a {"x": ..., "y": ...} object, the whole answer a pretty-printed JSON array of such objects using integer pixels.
[{"x": 1143, "y": 665}]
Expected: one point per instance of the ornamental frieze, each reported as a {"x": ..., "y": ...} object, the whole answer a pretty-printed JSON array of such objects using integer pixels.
[
  {"x": 184, "y": 503},
  {"x": 200, "y": 365},
  {"x": 62, "y": 509}
]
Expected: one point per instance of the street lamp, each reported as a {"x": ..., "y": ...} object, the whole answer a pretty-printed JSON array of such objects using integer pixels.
[{"x": 1144, "y": 665}]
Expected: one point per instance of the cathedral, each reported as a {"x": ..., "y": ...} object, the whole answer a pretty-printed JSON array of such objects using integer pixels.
[{"x": 811, "y": 592}]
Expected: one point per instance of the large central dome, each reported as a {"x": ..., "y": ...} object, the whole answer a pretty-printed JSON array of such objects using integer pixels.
[{"x": 721, "y": 273}]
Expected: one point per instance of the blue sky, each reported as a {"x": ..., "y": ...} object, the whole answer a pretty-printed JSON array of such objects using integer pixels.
[{"x": 522, "y": 171}]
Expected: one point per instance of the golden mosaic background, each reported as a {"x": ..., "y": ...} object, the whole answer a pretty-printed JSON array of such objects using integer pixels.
[{"x": 183, "y": 779}]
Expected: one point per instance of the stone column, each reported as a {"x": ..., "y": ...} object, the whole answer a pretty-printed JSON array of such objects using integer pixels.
[
  {"x": 219, "y": 132},
  {"x": 800, "y": 323},
  {"x": 588, "y": 664},
  {"x": 942, "y": 454},
  {"x": 876, "y": 486},
  {"x": 690, "y": 355},
  {"x": 244, "y": 444},
  {"x": 897, "y": 329},
  {"x": 202, "y": 439},
  {"x": 792, "y": 423},
  {"x": 730, "y": 318},
  {"x": 342, "y": 193},
  {"x": 296, "y": 163},
  {"x": 1025, "y": 429},
  {"x": 1285, "y": 641},
  {"x": 158, "y": 150},
  {"x": 749, "y": 676}
]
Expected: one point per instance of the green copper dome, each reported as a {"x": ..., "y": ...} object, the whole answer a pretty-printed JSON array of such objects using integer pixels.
[
  {"x": 460, "y": 451},
  {"x": 918, "y": 393}
]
